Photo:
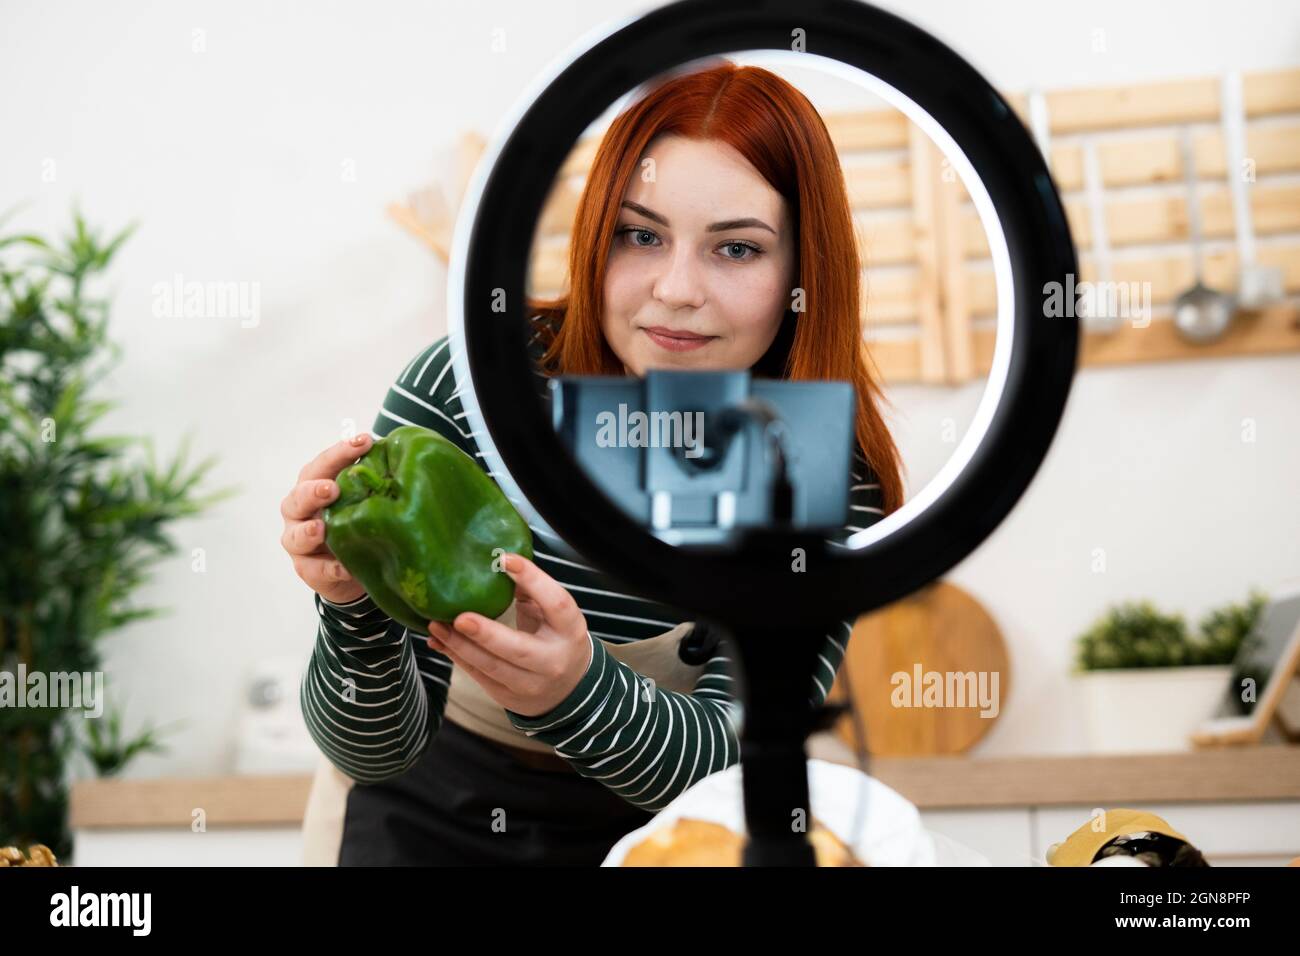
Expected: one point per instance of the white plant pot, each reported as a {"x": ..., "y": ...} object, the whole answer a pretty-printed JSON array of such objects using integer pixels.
[{"x": 1149, "y": 709}]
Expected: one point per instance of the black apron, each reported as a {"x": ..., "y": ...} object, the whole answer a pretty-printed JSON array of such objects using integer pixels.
[{"x": 470, "y": 802}]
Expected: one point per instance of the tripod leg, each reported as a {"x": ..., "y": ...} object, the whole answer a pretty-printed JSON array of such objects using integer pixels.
[{"x": 777, "y": 669}]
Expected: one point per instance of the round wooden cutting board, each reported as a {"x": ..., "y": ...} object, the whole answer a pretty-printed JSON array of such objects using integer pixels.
[{"x": 923, "y": 670}]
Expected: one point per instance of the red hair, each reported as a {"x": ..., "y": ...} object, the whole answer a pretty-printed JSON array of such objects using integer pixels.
[{"x": 781, "y": 134}]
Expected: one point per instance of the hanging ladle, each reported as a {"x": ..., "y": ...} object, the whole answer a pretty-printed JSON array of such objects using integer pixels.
[{"x": 1201, "y": 314}]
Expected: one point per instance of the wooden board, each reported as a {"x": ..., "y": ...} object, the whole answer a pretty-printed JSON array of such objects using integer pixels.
[{"x": 939, "y": 629}]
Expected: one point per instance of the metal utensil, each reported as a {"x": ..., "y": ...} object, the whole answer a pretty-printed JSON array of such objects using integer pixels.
[
  {"x": 1258, "y": 285},
  {"x": 1201, "y": 314},
  {"x": 1099, "y": 319}
]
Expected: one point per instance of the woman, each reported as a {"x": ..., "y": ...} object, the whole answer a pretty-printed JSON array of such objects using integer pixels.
[{"x": 544, "y": 736}]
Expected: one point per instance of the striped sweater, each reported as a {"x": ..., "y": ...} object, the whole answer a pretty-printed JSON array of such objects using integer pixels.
[{"x": 373, "y": 693}]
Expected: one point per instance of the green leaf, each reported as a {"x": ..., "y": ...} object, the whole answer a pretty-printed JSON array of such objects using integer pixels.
[{"x": 26, "y": 239}]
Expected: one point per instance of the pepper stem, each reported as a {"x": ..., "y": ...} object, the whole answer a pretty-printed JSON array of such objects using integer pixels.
[{"x": 376, "y": 482}]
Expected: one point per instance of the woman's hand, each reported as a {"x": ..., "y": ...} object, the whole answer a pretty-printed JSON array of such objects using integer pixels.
[
  {"x": 304, "y": 529},
  {"x": 531, "y": 669}
]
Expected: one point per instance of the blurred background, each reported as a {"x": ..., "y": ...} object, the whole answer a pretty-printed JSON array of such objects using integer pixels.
[{"x": 313, "y": 156}]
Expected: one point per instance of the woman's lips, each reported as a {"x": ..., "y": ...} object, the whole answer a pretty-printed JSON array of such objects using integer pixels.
[{"x": 675, "y": 341}]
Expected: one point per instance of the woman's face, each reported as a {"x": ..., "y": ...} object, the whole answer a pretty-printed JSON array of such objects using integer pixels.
[{"x": 702, "y": 266}]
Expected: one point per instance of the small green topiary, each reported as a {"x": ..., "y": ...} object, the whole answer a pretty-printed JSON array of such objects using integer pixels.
[
  {"x": 1224, "y": 629},
  {"x": 1135, "y": 634}
]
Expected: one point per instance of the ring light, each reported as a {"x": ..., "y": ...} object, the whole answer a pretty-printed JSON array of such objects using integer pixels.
[
  {"x": 1034, "y": 356},
  {"x": 751, "y": 588}
]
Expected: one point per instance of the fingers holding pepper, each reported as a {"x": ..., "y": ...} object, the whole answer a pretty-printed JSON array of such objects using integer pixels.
[{"x": 538, "y": 663}]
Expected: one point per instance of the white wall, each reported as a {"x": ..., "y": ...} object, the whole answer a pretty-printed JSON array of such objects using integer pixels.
[{"x": 233, "y": 161}]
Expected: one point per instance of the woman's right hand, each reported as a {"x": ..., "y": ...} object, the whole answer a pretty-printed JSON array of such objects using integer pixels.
[{"x": 304, "y": 529}]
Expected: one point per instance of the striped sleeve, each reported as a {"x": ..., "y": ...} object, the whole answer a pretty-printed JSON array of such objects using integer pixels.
[
  {"x": 360, "y": 695},
  {"x": 643, "y": 743},
  {"x": 373, "y": 694},
  {"x": 649, "y": 745}
]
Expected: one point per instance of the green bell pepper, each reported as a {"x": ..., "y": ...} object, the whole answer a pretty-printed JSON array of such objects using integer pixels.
[{"x": 421, "y": 526}]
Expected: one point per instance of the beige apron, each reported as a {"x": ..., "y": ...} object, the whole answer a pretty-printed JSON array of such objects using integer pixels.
[{"x": 470, "y": 707}]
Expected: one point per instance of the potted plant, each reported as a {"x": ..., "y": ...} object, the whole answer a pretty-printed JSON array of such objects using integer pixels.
[
  {"x": 82, "y": 521},
  {"x": 1147, "y": 683}
]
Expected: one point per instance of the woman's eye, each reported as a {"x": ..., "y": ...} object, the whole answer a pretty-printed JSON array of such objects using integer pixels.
[
  {"x": 642, "y": 238},
  {"x": 634, "y": 235},
  {"x": 740, "y": 251}
]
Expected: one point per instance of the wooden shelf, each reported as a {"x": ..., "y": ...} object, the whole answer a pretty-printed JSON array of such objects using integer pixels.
[
  {"x": 270, "y": 800},
  {"x": 1213, "y": 776},
  {"x": 1228, "y": 775}
]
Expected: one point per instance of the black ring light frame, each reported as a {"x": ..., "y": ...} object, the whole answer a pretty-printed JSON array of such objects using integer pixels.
[{"x": 752, "y": 591}]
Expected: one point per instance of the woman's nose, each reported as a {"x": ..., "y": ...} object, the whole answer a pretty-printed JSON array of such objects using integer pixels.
[{"x": 679, "y": 285}]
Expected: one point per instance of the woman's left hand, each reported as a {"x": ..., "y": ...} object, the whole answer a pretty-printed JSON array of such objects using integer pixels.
[{"x": 529, "y": 669}]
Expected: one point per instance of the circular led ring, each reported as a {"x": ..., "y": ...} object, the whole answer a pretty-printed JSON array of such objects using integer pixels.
[{"x": 1033, "y": 362}]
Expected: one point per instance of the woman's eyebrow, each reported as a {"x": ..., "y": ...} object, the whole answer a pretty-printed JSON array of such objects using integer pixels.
[{"x": 748, "y": 222}]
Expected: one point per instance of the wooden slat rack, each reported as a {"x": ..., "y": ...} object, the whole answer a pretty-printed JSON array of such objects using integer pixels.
[{"x": 929, "y": 298}]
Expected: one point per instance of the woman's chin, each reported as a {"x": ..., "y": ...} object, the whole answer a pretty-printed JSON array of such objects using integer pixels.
[{"x": 683, "y": 361}]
